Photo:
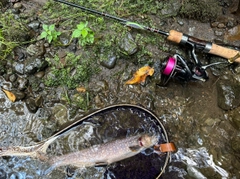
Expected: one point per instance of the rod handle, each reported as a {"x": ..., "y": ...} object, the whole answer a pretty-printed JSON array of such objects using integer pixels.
[
  {"x": 175, "y": 36},
  {"x": 230, "y": 54}
]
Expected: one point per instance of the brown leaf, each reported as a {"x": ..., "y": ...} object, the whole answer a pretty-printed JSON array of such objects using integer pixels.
[
  {"x": 140, "y": 75},
  {"x": 81, "y": 89},
  {"x": 10, "y": 95}
]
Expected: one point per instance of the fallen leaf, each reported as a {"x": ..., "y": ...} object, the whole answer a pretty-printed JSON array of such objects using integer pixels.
[
  {"x": 10, "y": 95},
  {"x": 81, "y": 89},
  {"x": 140, "y": 75}
]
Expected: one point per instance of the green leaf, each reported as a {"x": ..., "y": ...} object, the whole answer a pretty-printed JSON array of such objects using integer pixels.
[
  {"x": 84, "y": 33},
  {"x": 49, "y": 39},
  {"x": 81, "y": 26},
  {"x": 76, "y": 33},
  {"x": 43, "y": 35},
  {"x": 45, "y": 27},
  {"x": 52, "y": 27}
]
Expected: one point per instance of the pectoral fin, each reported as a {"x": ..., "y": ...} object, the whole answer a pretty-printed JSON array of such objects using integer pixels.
[{"x": 134, "y": 148}]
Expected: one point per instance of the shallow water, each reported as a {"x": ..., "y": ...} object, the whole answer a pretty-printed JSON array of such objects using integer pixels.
[{"x": 100, "y": 128}]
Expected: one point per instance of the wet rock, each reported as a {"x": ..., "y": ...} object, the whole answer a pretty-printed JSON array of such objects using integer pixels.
[
  {"x": 34, "y": 25},
  {"x": 60, "y": 114},
  {"x": 233, "y": 35},
  {"x": 108, "y": 60},
  {"x": 235, "y": 144},
  {"x": 234, "y": 118},
  {"x": 3, "y": 174},
  {"x": 12, "y": 77},
  {"x": 32, "y": 49},
  {"x": 34, "y": 64},
  {"x": 19, "y": 95},
  {"x": 31, "y": 105},
  {"x": 39, "y": 101},
  {"x": 219, "y": 69},
  {"x": 64, "y": 38},
  {"x": 22, "y": 83},
  {"x": 39, "y": 74},
  {"x": 127, "y": 45},
  {"x": 228, "y": 94},
  {"x": 18, "y": 67}
]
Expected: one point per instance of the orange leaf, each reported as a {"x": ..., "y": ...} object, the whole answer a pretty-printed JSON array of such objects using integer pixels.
[
  {"x": 81, "y": 89},
  {"x": 10, "y": 95},
  {"x": 140, "y": 75}
]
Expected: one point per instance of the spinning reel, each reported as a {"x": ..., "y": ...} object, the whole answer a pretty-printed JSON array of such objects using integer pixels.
[{"x": 184, "y": 70}]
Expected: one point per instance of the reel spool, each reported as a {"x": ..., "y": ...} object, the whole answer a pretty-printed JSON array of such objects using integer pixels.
[{"x": 182, "y": 70}]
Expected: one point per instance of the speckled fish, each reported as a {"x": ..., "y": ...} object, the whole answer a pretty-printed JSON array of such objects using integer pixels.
[{"x": 107, "y": 153}]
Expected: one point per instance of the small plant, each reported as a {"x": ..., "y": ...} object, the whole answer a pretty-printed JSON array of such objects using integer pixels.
[
  {"x": 49, "y": 33},
  {"x": 84, "y": 34}
]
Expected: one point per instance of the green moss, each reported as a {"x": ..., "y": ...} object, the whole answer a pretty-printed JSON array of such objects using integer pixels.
[
  {"x": 204, "y": 11},
  {"x": 70, "y": 71}
]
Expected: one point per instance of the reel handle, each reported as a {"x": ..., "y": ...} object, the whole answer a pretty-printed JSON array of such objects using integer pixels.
[{"x": 208, "y": 47}]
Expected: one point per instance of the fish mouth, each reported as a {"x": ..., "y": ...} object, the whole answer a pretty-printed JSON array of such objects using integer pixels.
[{"x": 147, "y": 140}]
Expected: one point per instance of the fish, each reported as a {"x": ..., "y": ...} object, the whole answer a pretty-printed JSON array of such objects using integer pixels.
[{"x": 106, "y": 153}]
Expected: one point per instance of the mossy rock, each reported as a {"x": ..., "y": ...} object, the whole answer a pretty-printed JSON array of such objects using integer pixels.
[{"x": 204, "y": 11}]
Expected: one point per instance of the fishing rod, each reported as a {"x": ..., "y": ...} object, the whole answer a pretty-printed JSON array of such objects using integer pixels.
[{"x": 231, "y": 55}]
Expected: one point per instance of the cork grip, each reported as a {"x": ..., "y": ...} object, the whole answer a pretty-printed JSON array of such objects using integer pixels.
[
  {"x": 175, "y": 36},
  {"x": 230, "y": 54}
]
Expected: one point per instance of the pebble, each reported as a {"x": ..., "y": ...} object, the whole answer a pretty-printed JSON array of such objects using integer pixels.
[
  {"x": 30, "y": 103},
  {"x": 39, "y": 74},
  {"x": 218, "y": 33},
  {"x": 221, "y": 25},
  {"x": 214, "y": 24},
  {"x": 22, "y": 83},
  {"x": 17, "y": 5}
]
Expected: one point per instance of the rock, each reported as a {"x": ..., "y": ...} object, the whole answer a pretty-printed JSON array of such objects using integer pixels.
[
  {"x": 64, "y": 38},
  {"x": 214, "y": 24},
  {"x": 127, "y": 45},
  {"x": 34, "y": 64},
  {"x": 17, "y": 5},
  {"x": 232, "y": 36},
  {"x": 221, "y": 25},
  {"x": 18, "y": 67},
  {"x": 22, "y": 83},
  {"x": 228, "y": 94},
  {"x": 60, "y": 114},
  {"x": 235, "y": 144},
  {"x": 218, "y": 33},
  {"x": 171, "y": 9},
  {"x": 34, "y": 25},
  {"x": 39, "y": 74},
  {"x": 234, "y": 118},
  {"x": 19, "y": 95},
  {"x": 108, "y": 59},
  {"x": 12, "y": 77},
  {"x": 32, "y": 49},
  {"x": 31, "y": 105}
]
